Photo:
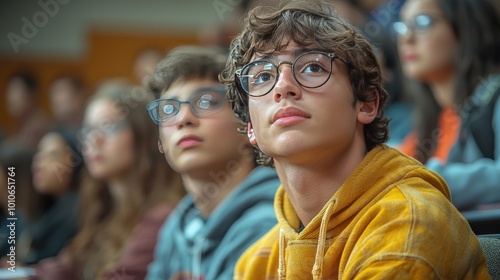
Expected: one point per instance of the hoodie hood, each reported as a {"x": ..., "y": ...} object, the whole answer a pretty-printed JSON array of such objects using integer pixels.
[
  {"x": 378, "y": 173},
  {"x": 258, "y": 187}
]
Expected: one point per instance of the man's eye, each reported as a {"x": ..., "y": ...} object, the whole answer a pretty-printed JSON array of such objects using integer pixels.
[
  {"x": 261, "y": 78},
  {"x": 205, "y": 102},
  {"x": 313, "y": 68},
  {"x": 168, "y": 109}
]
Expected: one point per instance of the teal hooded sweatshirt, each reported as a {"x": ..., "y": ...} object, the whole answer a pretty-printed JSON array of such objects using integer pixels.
[{"x": 191, "y": 247}]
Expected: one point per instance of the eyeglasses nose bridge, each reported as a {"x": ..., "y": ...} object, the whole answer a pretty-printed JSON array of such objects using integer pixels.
[
  {"x": 278, "y": 69},
  {"x": 187, "y": 102},
  {"x": 410, "y": 31},
  {"x": 282, "y": 63}
]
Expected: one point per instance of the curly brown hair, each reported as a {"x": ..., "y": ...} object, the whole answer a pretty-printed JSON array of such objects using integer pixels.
[{"x": 308, "y": 23}]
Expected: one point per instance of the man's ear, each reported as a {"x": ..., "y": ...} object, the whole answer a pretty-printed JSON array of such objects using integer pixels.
[
  {"x": 367, "y": 110},
  {"x": 251, "y": 134},
  {"x": 160, "y": 146}
]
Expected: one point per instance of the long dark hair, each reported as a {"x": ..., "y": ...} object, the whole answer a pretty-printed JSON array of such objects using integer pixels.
[{"x": 476, "y": 26}]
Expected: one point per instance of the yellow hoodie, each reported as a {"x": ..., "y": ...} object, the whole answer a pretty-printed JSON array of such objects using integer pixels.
[{"x": 391, "y": 219}]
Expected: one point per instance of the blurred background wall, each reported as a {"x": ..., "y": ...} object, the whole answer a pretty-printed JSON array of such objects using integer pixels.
[{"x": 97, "y": 39}]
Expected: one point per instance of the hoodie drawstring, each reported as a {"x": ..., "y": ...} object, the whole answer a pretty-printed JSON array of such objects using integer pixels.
[
  {"x": 281, "y": 260},
  {"x": 320, "y": 250},
  {"x": 197, "y": 256}
]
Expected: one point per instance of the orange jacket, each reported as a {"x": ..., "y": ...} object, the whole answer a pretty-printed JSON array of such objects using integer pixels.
[{"x": 444, "y": 137}]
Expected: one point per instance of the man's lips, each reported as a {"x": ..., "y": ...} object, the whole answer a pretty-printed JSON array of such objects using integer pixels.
[
  {"x": 189, "y": 141},
  {"x": 288, "y": 116}
]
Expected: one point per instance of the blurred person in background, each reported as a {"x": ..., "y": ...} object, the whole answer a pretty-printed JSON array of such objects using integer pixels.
[
  {"x": 451, "y": 48},
  {"x": 145, "y": 63},
  {"x": 128, "y": 193},
  {"x": 67, "y": 100},
  {"x": 56, "y": 169},
  {"x": 230, "y": 199},
  {"x": 22, "y": 105}
]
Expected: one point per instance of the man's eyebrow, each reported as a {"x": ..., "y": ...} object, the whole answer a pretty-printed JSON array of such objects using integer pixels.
[
  {"x": 295, "y": 53},
  {"x": 300, "y": 51}
]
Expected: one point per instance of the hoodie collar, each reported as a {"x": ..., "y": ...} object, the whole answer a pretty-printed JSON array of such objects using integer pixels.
[
  {"x": 362, "y": 186},
  {"x": 259, "y": 186}
]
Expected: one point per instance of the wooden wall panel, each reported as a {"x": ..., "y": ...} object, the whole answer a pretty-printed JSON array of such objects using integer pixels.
[{"x": 110, "y": 54}]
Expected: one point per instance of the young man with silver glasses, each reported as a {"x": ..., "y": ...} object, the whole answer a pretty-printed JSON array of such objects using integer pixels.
[
  {"x": 229, "y": 201},
  {"x": 308, "y": 85}
]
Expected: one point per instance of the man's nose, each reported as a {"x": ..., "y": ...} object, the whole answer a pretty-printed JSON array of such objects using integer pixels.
[
  {"x": 185, "y": 116},
  {"x": 286, "y": 85}
]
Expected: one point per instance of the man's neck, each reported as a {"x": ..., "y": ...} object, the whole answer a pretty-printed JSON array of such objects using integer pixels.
[
  {"x": 310, "y": 187},
  {"x": 210, "y": 187}
]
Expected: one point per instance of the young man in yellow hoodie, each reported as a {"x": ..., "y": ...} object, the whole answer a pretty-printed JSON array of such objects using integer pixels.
[{"x": 309, "y": 87}]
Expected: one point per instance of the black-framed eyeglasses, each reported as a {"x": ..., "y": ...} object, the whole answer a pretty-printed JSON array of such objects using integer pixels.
[
  {"x": 311, "y": 70},
  {"x": 204, "y": 101},
  {"x": 105, "y": 129},
  {"x": 419, "y": 24}
]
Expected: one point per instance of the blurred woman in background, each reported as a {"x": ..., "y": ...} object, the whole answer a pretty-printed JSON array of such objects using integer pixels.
[
  {"x": 127, "y": 195},
  {"x": 451, "y": 48},
  {"x": 56, "y": 169}
]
